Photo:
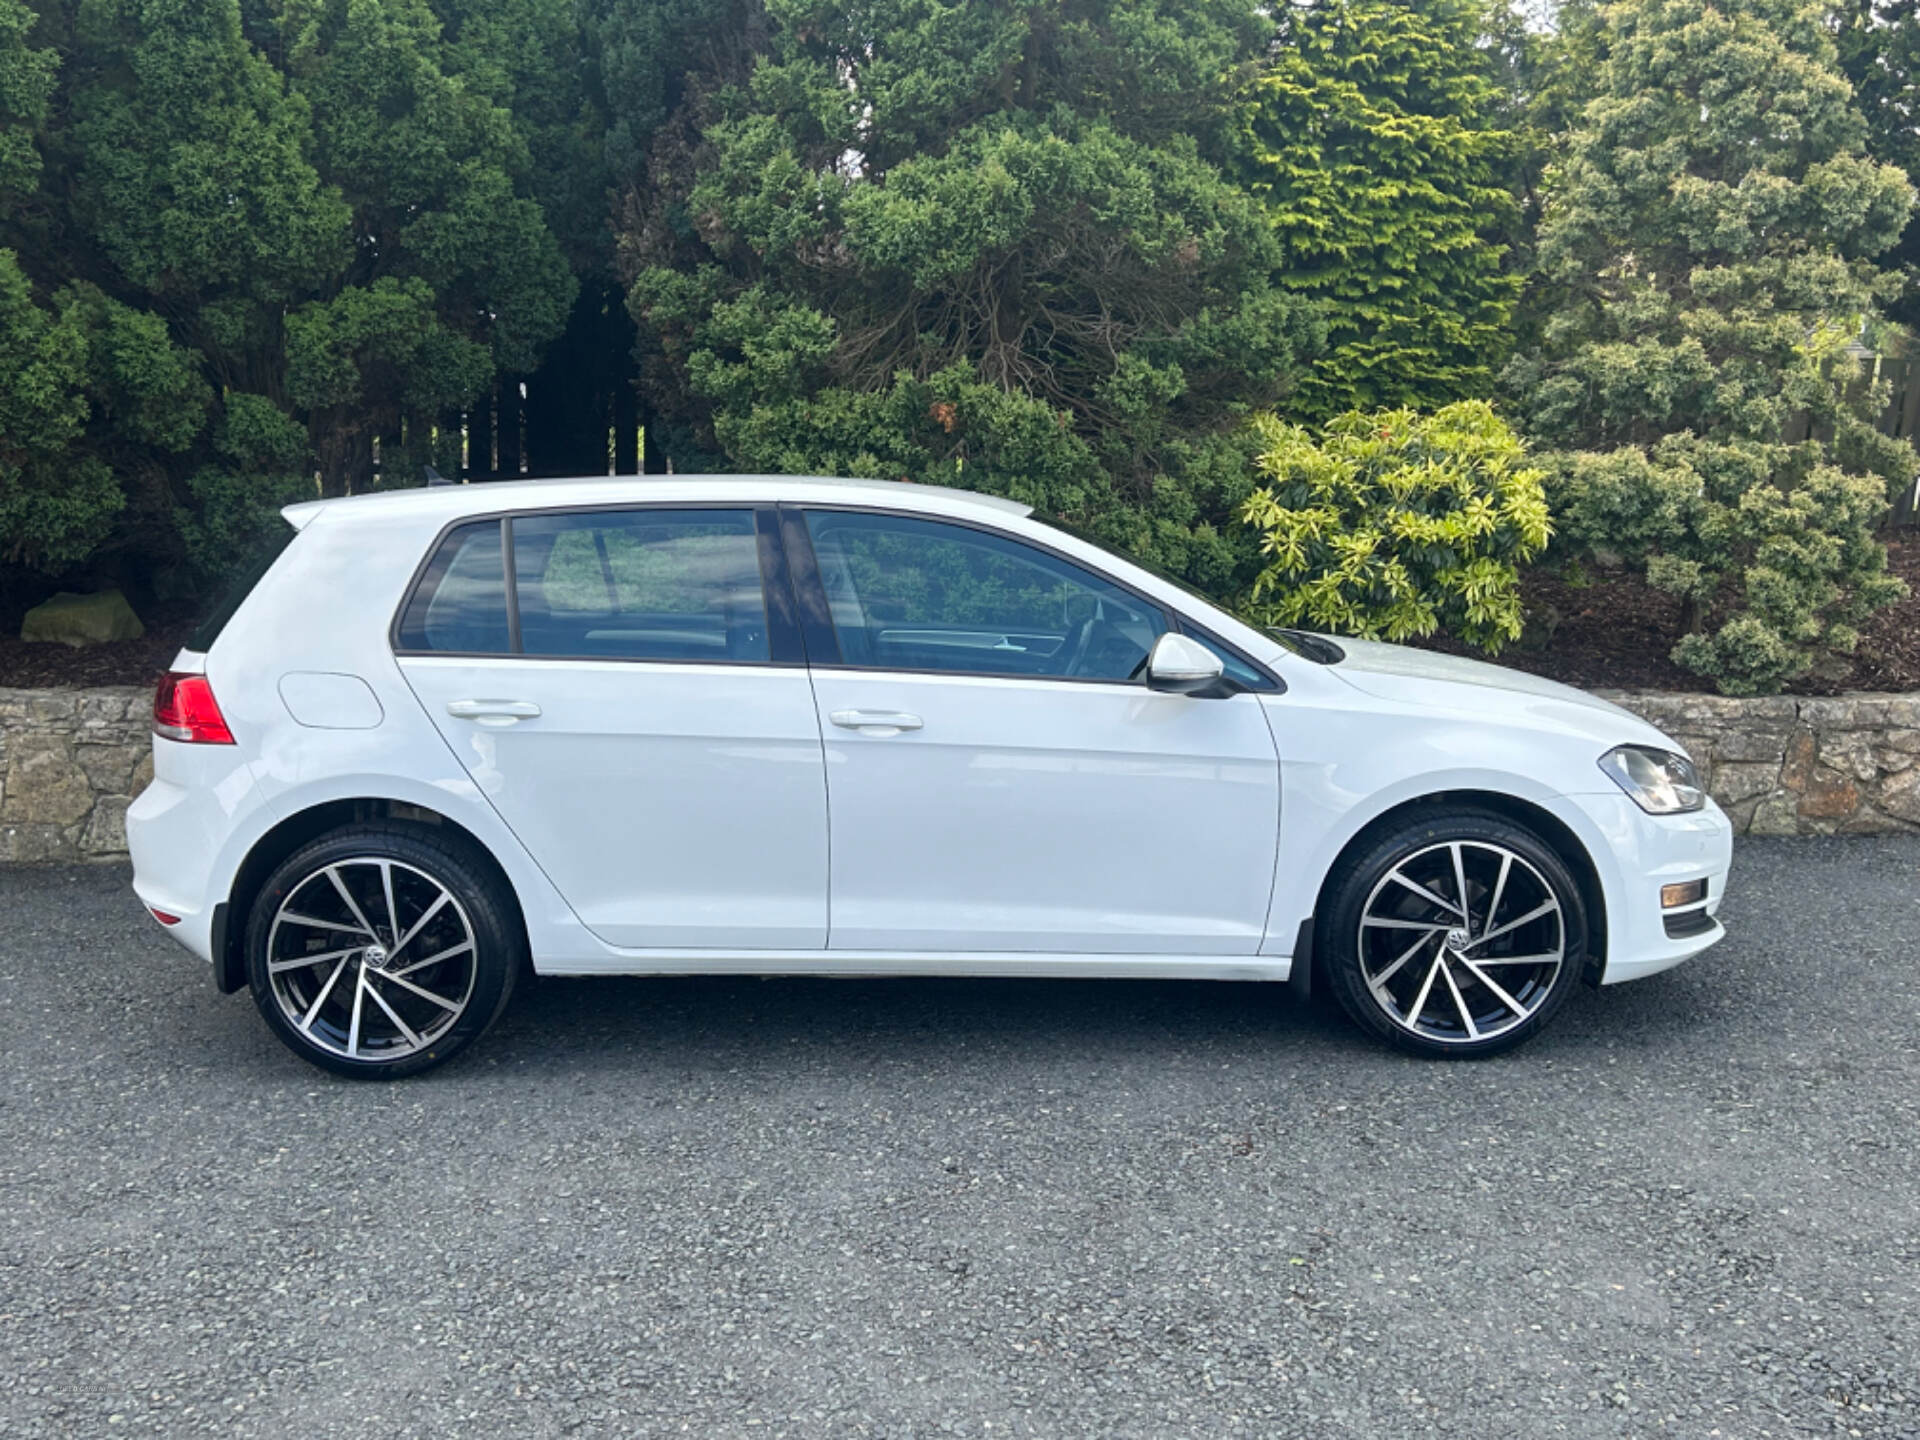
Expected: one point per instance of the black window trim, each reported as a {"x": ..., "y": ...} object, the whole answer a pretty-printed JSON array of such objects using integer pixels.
[
  {"x": 783, "y": 634},
  {"x": 511, "y": 584},
  {"x": 816, "y": 611},
  {"x": 803, "y": 633}
]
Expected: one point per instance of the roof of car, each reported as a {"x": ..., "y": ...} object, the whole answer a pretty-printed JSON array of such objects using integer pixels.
[{"x": 488, "y": 497}]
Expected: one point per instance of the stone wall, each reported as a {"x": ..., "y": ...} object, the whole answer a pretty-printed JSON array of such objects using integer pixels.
[
  {"x": 72, "y": 760},
  {"x": 1780, "y": 765}
]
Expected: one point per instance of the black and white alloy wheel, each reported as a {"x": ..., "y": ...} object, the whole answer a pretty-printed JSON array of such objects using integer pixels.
[
  {"x": 1457, "y": 933},
  {"x": 380, "y": 951}
]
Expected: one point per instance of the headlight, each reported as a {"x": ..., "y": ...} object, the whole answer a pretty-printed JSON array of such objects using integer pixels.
[{"x": 1660, "y": 782}]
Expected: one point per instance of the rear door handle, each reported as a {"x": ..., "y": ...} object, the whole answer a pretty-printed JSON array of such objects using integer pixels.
[
  {"x": 875, "y": 722},
  {"x": 493, "y": 712}
]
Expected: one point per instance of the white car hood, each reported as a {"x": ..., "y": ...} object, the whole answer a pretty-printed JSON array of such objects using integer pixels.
[{"x": 1492, "y": 693}]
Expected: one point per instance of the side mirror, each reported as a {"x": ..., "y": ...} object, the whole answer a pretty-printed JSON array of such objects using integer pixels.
[{"x": 1181, "y": 665}]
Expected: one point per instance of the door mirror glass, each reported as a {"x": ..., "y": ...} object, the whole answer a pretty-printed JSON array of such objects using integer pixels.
[{"x": 1181, "y": 665}]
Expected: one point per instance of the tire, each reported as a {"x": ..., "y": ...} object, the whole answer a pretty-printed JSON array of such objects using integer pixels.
[
  {"x": 1404, "y": 965},
  {"x": 355, "y": 1003}
]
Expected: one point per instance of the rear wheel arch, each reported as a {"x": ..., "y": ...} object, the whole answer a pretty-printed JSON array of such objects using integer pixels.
[
  {"x": 1549, "y": 827},
  {"x": 306, "y": 826}
]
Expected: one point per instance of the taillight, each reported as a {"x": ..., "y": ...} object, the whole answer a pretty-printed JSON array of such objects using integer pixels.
[{"x": 184, "y": 709}]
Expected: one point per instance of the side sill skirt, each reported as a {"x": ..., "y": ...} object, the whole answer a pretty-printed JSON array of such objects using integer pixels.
[{"x": 875, "y": 964}]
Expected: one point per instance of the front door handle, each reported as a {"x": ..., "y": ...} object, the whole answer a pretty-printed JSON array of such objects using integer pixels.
[
  {"x": 875, "y": 722},
  {"x": 493, "y": 712}
]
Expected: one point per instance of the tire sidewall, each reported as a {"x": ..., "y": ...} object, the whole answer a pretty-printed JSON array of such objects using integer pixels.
[
  {"x": 499, "y": 944},
  {"x": 1336, "y": 937}
]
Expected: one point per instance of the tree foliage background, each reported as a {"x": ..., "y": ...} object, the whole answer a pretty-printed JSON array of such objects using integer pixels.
[
  {"x": 1081, "y": 252},
  {"x": 1712, "y": 240},
  {"x": 236, "y": 245},
  {"x": 992, "y": 245}
]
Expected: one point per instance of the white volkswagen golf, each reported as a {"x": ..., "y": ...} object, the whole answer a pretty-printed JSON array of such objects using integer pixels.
[{"x": 724, "y": 725}]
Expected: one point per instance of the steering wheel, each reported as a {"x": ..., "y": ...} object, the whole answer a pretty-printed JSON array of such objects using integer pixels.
[
  {"x": 1078, "y": 646},
  {"x": 1098, "y": 636}
]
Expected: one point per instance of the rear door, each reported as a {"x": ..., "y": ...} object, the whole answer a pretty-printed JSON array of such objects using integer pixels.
[{"x": 628, "y": 688}]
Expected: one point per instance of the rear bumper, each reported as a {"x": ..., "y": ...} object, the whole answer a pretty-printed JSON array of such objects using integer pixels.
[
  {"x": 179, "y": 831},
  {"x": 1649, "y": 851},
  {"x": 167, "y": 875}
]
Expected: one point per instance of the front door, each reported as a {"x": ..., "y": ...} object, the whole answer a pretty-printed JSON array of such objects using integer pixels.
[
  {"x": 641, "y": 717},
  {"x": 999, "y": 777}
]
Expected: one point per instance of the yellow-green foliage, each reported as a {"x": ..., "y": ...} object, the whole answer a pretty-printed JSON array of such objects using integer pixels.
[{"x": 1396, "y": 524}]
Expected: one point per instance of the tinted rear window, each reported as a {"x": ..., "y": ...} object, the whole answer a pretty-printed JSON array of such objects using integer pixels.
[
  {"x": 272, "y": 546},
  {"x": 641, "y": 585},
  {"x": 460, "y": 604}
]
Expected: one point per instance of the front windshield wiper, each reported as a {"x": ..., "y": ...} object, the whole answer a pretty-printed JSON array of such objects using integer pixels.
[{"x": 1310, "y": 646}]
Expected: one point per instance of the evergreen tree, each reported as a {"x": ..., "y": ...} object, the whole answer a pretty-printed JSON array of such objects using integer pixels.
[
  {"x": 454, "y": 274},
  {"x": 985, "y": 244},
  {"x": 264, "y": 237},
  {"x": 41, "y": 367},
  {"x": 1712, "y": 234},
  {"x": 55, "y": 506},
  {"x": 26, "y": 84},
  {"x": 175, "y": 220},
  {"x": 1376, "y": 141},
  {"x": 529, "y": 58},
  {"x": 1879, "y": 42},
  {"x": 1546, "y": 75}
]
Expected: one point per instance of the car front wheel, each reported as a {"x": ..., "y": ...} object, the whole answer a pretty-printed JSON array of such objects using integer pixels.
[
  {"x": 1457, "y": 932},
  {"x": 380, "y": 951}
]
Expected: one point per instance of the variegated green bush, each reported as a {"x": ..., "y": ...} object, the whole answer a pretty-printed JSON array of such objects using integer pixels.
[{"x": 1395, "y": 524}]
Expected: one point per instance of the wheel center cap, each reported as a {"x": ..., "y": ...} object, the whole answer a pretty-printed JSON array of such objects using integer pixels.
[
  {"x": 1458, "y": 939},
  {"x": 375, "y": 956}
]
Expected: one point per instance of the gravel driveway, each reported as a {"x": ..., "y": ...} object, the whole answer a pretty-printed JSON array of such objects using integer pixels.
[{"x": 915, "y": 1208}]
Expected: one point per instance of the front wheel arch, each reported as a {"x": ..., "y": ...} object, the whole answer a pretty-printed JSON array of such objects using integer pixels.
[
  {"x": 302, "y": 827},
  {"x": 1551, "y": 829}
]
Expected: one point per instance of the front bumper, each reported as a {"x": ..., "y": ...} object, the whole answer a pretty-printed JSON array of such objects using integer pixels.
[{"x": 1645, "y": 852}]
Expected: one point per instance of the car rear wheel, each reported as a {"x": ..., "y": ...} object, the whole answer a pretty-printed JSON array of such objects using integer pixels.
[
  {"x": 381, "y": 951},
  {"x": 1455, "y": 933}
]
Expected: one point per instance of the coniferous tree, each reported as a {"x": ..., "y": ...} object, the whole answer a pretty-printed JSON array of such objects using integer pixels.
[
  {"x": 263, "y": 236},
  {"x": 989, "y": 245},
  {"x": 1712, "y": 236},
  {"x": 1879, "y": 43},
  {"x": 454, "y": 274},
  {"x": 46, "y": 510},
  {"x": 1376, "y": 141},
  {"x": 26, "y": 84}
]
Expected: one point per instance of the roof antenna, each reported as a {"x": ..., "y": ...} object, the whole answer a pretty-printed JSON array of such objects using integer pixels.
[{"x": 434, "y": 477}]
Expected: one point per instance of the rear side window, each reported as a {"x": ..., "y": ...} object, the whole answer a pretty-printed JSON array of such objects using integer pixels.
[
  {"x": 641, "y": 585},
  {"x": 460, "y": 604}
]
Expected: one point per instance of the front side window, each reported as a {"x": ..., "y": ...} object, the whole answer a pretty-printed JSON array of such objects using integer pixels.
[
  {"x": 641, "y": 585},
  {"x": 460, "y": 604},
  {"x": 911, "y": 594}
]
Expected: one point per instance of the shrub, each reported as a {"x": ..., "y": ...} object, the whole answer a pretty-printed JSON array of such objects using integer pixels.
[
  {"x": 1397, "y": 524},
  {"x": 1708, "y": 249},
  {"x": 1765, "y": 541}
]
